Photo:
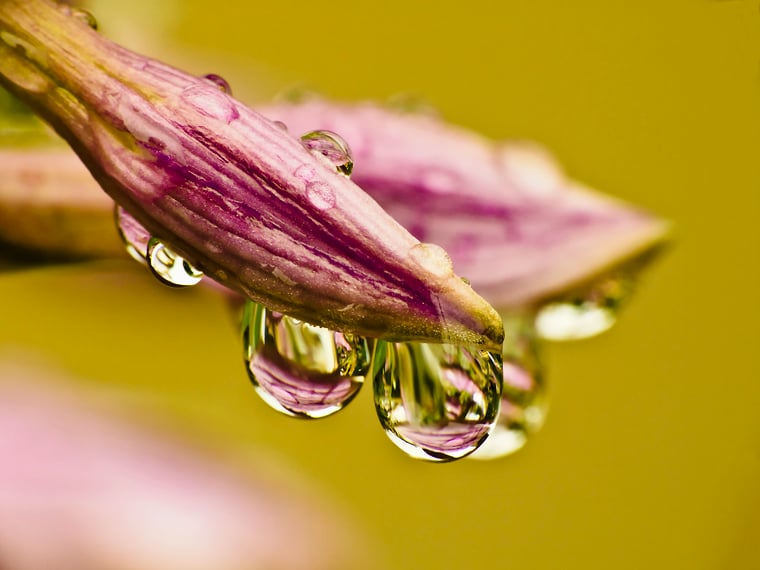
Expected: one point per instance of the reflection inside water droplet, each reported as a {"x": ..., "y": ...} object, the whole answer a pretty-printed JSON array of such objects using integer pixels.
[
  {"x": 170, "y": 268},
  {"x": 301, "y": 369},
  {"x": 586, "y": 314},
  {"x": 436, "y": 401},
  {"x": 132, "y": 233},
  {"x": 220, "y": 82},
  {"x": 523, "y": 396},
  {"x": 331, "y": 146}
]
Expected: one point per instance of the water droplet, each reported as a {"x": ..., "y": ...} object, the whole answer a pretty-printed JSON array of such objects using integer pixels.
[
  {"x": 86, "y": 17},
  {"x": 433, "y": 258},
  {"x": 169, "y": 267},
  {"x": 301, "y": 369},
  {"x": 320, "y": 195},
  {"x": 586, "y": 314},
  {"x": 436, "y": 401},
  {"x": 132, "y": 233},
  {"x": 523, "y": 395},
  {"x": 220, "y": 82},
  {"x": 331, "y": 146}
]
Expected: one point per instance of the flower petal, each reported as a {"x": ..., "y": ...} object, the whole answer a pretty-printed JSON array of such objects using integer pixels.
[{"x": 514, "y": 225}]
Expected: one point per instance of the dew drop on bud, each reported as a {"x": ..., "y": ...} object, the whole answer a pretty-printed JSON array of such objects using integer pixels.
[
  {"x": 301, "y": 369},
  {"x": 331, "y": 146},
  {"x": 523, "y": 395},
  {"x": 170, "y": 268},
  {"x": 86, "y": 17},
  {"x": 436, "y": 401},
  {"x": 587, "y": 314},
  {"x": 432, "y": 258},
  {"x": 220, "y": 82},
  {"x": 132, "y": 233}
]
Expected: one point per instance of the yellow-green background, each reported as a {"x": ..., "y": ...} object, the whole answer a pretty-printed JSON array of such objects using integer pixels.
[{"x": 651, "y": 454}]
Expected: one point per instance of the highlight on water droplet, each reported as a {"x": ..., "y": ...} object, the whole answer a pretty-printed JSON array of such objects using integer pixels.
[
  {"x": 436, "y": 401},
  {"x": 301, "y": 369},
  {"x": 523, "y": 395},
  {"x": 586, "y": 314},
  {"x": 170, "y": 268},
  {"x": 132, "y": 233},
  {"x": 332, "y": 146},
  {"x": 219, "y": 81}
]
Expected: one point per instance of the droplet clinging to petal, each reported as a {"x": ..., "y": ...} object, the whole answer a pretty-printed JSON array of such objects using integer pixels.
[
  {"x": 301, "y": 369},
  {"x": 436, "y": 401}
]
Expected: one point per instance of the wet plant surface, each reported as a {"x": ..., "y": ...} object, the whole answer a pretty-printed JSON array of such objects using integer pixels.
[{"x": 630, "y": 449}]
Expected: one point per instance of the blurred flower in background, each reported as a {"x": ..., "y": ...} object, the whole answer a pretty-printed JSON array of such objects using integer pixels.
[{"x": 86, "y": 484}]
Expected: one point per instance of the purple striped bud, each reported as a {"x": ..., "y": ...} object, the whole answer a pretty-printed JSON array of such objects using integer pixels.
[{"x": 230, "y": 191}]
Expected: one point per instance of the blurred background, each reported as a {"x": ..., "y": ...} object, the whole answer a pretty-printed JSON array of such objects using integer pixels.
[{"x": 650, "y": 456}]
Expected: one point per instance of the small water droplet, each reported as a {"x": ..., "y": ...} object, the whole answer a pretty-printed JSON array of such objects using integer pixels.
[
  {"x": 320, "y": 195},
  {"x": 220, "y": 82},
  {"x": 523, "y": 396},
  {"x": 169, "y": 267},
  {"x": 282, "y": 126},
  {"x": 331, "y": 146},
  {"x": 86, "y": 17},
  {"x": 587, "y": 314},
  {"x": 301, "y": 369},
  {"x": 132, "y": 233},
  {"x": 436, "y": 401},
  {"x": 433, "y": 258}
]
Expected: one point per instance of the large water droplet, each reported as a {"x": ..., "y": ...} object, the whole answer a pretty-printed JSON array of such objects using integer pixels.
[
  {"x": 169, "y": 267},
  {"x": 301, "y": 369},
  {"x": 132, "y": 233},
  {"x": 523, "y": 396},
  {"x": 220, "y": 82},
  {"x": 436, "y": 401},
  {"x": 331, "y": 146},
  {"x": 586, "y": 314}
]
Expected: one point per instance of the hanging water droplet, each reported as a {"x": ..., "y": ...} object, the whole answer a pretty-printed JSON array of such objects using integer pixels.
[
  {"x": 86, "y": 17},
  {"x": 220, "y": 82},
  {"x": 436, "y": 401},
  {"x": 523, "y": 396},
  {"x": 331, "y": 146},
  {"x": 301, "y": 369},
  {"x": 169, "y": 267},
  {"x": 132, "y": 233},
  {"x": 586, "y": 314}
]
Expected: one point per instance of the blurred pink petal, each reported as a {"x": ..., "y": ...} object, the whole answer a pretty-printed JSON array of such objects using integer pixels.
[
  {"x": 513, "y": 223},
  {"x": 82, "y": 490}
]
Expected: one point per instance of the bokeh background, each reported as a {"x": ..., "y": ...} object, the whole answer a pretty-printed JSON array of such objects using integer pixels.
[{"x": 650, "y": 456}]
